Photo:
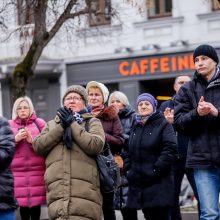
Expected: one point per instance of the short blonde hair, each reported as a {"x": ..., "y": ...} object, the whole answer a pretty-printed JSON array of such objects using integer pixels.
[
  {"x": 120, "y": 96},
  {"x": 17, "y": 103}
]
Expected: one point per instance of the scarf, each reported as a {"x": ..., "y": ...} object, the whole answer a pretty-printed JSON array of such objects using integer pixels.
[
  {"x": 67, "y": 136},
  {"x": 97, "y": 110}
]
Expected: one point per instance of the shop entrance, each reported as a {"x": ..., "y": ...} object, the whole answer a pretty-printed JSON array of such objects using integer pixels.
[{"x": 161, "y": 89}]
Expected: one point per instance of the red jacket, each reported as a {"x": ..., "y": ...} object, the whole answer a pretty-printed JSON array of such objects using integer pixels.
[{"x": 28, "y": 167}]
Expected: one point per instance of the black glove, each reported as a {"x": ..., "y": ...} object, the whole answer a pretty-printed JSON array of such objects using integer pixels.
[{"x": 66, "y": 116}]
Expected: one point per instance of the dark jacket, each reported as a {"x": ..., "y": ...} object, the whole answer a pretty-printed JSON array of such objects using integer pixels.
[
  {"x": 127, "y": 117},
  {"x": 182, "y": 139},
  {"x": 152, "y": 151},
  {"x": 7, "y": 148},
  {"x": 203, "y": 131},
  {"x": 112, "y": 127}
]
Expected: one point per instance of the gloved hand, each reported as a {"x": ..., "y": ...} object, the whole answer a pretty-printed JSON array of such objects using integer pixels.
[{"x": 66, "y": 116}]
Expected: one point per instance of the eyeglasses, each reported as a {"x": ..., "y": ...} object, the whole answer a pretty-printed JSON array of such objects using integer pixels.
[
  {"x": 73, "y": 98},
  {"x": 24, "y": 107}
]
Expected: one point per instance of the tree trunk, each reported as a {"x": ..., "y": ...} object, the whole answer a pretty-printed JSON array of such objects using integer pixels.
[{"x": 25, "y": 69}]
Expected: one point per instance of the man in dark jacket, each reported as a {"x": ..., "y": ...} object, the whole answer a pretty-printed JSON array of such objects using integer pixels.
[
  {"x": 197, "y": 114},
  {"x": 179, "y": 167},
  {"x": 8, "y": 203}
]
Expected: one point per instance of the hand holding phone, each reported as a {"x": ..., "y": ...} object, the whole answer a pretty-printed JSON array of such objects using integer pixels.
[{"x": 22, "y": 134}]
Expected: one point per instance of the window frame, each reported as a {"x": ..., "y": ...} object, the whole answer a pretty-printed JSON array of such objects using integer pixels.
[
  {"x": 162, "y": 12},
  {"x": 100, "y": 19},
  {"x": 215, "y": 5},
  {"x": 28, "y": 13}
]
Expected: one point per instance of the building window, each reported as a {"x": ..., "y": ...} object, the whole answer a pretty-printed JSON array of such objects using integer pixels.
[
  {"x": 25, "y": 12},
  {"x": 215, "y": 5},
  {"x": 159, "y": 8},
  {"x": 103, "y": 17},
  {"x": 25, "y": 21}
]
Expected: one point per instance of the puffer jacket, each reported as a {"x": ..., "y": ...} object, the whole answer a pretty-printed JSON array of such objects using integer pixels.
[
  {"x": 72, "y": 177},
  {"x": 128, "y": 118},
  {"x": 7, "y": 148},
  {"x": 203, "y": 131},
  {"x": 28, "y": 168}
]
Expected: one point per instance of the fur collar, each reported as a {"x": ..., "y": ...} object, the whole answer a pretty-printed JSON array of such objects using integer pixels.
[{"x": 108, "y": 113}]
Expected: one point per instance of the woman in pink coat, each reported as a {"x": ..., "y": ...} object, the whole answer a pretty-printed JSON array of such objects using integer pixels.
[{"x": 28, "y": 167}]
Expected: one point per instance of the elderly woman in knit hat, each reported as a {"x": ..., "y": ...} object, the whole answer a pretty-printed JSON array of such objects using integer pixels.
[
  {"x": 151, "y": 152},
  {"x": 98, "y": 96},
  {"x": 72, "y": 179},
  {"x": 127, "y": 116}
]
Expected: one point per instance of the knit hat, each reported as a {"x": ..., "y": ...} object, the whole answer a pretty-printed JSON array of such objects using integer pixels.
[
  {"x": 101, "y": 86},
  {"x": 79, "y": 90},
  {"x": 147, "y": 97},
  {"x": 206, "y": 50}
]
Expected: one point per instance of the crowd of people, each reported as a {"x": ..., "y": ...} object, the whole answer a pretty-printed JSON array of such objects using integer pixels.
[{"x": 54, "y": 162}]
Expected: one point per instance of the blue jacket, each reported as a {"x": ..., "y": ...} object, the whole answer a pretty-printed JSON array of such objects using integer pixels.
[{"x": 203, "y": 131}]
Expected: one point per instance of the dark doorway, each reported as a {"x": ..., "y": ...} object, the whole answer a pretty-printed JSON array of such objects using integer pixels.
[{"x": 162, "y": 89}]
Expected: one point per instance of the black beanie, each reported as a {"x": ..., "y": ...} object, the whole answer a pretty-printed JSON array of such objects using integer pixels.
[{"x": 206, "y": 50}]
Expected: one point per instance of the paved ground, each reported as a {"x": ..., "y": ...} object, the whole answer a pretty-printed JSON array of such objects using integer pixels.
[{"x": 185, "y": 215}]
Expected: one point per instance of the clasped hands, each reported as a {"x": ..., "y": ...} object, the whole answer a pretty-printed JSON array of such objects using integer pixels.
[
  {"x": 66, "y": 116},
  {"x": 204, "y": 108},
  {"x": 22, "y": 134}
]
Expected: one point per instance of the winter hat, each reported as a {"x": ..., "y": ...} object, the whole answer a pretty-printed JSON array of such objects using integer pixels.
[
  {"x": 147, "y": 97},
  {"x": 79, "y": 90},
  {"x": 206, "y": 50},
  {"x": 101, "y": 86}
]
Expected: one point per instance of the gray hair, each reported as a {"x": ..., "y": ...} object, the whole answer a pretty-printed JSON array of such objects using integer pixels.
[
  {"x": 17, "y": 103},
  {"x": 120, "y": 96}
]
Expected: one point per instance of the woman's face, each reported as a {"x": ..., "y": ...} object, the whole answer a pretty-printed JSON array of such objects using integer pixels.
[
  {"x": 117, "y": 103},
  {"x": 145, "y": 108},
  {"x": 95, "y": 97},
  {"x": 23, "y": 110},
  {"x": 74, "y": 101}
]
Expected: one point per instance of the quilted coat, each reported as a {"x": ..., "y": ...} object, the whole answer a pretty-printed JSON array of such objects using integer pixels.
[
  {"x": 7, "y": 148},
  {"x": 72, "y": 178},
  {"x": 28, "y": 167}
]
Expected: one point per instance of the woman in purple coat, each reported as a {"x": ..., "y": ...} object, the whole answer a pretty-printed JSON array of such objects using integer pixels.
[{"x": 28, "y": 168}]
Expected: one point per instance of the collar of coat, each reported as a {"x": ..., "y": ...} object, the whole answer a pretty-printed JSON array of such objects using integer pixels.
[{"x": 108, "y": 113}]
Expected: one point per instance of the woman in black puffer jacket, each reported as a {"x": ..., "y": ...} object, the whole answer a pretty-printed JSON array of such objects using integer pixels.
[
  {"x": 127, "y": 117},
  {"x": 8, "y": 204}
]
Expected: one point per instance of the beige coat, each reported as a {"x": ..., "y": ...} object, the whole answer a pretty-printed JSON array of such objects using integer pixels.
[{"x": 72, "y": 179}]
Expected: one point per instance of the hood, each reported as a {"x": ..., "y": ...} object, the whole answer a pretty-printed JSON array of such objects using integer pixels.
[
  {"x": 27, "y": 121},
  {"x": 126, "y": 112}
]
